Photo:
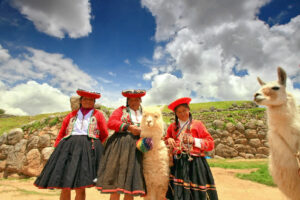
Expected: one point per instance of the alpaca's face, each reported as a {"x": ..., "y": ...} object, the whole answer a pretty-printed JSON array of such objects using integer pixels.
[
  {"x": 151, "y": 122},
  {"x": 272, "y": 93}
]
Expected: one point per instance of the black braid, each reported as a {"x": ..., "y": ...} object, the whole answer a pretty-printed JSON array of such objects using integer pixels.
[
  {"x": 176, "y": 123},
  {"x": 190, "y": 118}
]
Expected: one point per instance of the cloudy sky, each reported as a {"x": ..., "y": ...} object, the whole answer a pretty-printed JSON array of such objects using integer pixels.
[{"x": 208, "y": 50}]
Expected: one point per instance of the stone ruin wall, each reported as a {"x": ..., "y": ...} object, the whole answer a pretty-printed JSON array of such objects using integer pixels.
[{"x": 24, "y": 153}]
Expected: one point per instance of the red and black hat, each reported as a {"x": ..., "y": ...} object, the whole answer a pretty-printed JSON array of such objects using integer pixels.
[
  {"x": 84, "y": 93},
  {"x": 133, "y": 93},
  {"x": 174, "y": 104}
]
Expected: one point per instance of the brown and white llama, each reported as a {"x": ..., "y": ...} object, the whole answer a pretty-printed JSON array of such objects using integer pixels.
[
  {"x": 156, "y": 160},
  {"x": 283, "y": 134}
]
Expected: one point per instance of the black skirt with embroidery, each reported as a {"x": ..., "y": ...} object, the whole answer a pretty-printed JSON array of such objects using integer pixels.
[
  {"x": 72, "y": 165},
  {"x": 190, "y": 180},
  {"x": 120, "y": 170}
]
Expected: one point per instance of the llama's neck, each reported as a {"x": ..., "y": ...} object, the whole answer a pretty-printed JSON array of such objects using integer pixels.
[{"x": 283, "y": 114}]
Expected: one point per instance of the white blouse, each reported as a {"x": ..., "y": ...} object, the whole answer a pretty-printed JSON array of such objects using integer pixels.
[
  {"x": 136, "y": 116},
  {"x": 82, "y": 123}
]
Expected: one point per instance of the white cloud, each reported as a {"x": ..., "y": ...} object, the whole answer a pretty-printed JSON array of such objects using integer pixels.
[
  {"x": 207, "y": 40},
  {"x": 58, "y": 71},
  {"x": 4, "y": 55},
  {"x": 32, "y": 98},
  {"x": 148, "y": 76},
  {"x": 172, "y": 16},
  {"x": 58, "y": 17},
  {"x": 104, "y": 80},
  {"x": 166, "y": 86},
  {"x": 112, "y": 74},
  {"x": 127, "y": 61},
  {"x": 158, "y": 53}
]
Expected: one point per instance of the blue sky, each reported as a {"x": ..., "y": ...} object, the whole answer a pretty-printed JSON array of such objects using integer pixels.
[{"x": 207, "y": 50}]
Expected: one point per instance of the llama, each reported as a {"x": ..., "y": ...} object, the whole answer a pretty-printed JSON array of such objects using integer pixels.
[
  {"x": 155, "y": 161},
  {"x": 283, "y": 134}
]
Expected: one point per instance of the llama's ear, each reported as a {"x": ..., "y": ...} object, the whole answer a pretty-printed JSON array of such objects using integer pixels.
[
  {"x": 260, "y": 81},
  {"x": 281, "y": 76},
  {"x": 161, "y": 107}
]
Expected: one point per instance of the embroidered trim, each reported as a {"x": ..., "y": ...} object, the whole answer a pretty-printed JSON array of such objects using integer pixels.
[
  {"x": 87, "y": 186},
  {"x": 137, "y": 192},
  {"x": 191, "y": 186}
]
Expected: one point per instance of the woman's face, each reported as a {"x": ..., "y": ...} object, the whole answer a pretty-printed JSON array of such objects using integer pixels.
[
  {"x": 87, "y": 102},
  {"x": 182, "y": 113},
  {"x": 134, "y": 103}
]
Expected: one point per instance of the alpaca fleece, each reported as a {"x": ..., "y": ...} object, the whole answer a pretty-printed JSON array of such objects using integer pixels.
[{"x": 155, "y": 161}]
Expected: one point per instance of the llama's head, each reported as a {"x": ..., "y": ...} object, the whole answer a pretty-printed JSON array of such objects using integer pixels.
[
  {"x": 152, "y": 122},
  {"x": 272, "y": 93}
]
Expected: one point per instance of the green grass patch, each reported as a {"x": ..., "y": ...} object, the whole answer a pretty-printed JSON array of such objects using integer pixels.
[
  {"x": 9, "y": 123},
  {"x": 261, "y": 175},
  {"x": 207, "y": 105}
]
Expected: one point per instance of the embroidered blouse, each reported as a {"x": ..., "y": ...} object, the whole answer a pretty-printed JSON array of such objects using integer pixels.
[
  {"x": 122, "y": 117},
  {"x": 198, "y": 131}
]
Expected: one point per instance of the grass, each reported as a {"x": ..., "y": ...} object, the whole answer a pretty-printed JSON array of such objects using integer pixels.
[
  {"x": 261, "y": 175},
  {"x": 207, "y": 105},
  {"x": 9, "y": 123}
]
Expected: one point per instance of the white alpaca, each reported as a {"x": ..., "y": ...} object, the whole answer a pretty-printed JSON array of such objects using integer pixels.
[
  {"x": 155, "y": 161},
  {"x": 283, "y": 134}
]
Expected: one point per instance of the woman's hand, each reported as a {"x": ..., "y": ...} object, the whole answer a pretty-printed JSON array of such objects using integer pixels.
[
  {"x": 188, "y": 139},
  {"x": 134, "y": 130},
  {"x": 171, "y": 142}
]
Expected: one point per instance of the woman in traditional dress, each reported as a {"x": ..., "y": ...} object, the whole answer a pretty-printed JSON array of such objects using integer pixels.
[
  {"x": 78, "y": 150},
  {"x": 190, "y": 176},
  {"x": 120, "y": 170}
]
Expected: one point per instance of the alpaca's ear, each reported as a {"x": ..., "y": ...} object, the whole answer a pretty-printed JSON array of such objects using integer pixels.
[
  {"x": 281, "y": 76},
  {"x": 260, "y": 81}
]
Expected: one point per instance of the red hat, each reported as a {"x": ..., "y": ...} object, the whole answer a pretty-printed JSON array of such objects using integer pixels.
[
  {"x": 174, "y": 104},
  {"x": 133, "y": 93},
  {"x": 84, "y": 93}
]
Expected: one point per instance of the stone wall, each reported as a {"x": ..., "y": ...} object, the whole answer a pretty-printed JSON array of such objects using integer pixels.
[
  {"x": 24, "y": 151},
  {"x": 240, "y": 140}
]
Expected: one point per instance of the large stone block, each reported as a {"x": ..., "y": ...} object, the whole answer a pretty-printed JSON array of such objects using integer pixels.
[
  {"x": 230, "y": 127},
  {"x": 32, "y": 165},
  {"x": 3, "y": 138},
  {"x": 44, "y": 141},
  {"x": 46, "y": 153},
  {"x": 226, "y": 151},
  {"x": 218, "y": 124},
  {"x": 263, "y": 150},
  {"x": 240, "y": 127},
  {"x": 241, "y": 141},
  {"x": 255, "y": 142},
  {"x": 14, "y": 161},
  {"x": 4, "y": 150},
  {"x": 14, "y": 136},
  {"x": 251, "y": 133},
  {"x": 33, "y": 142}
]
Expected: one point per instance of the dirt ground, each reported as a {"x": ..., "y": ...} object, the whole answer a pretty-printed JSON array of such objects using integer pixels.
[{"x": 228, "y": 186}]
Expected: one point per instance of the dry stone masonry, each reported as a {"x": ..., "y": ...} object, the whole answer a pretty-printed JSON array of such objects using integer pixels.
[{"x": 24, "y": 151}]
